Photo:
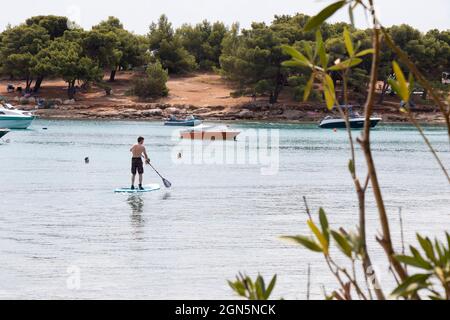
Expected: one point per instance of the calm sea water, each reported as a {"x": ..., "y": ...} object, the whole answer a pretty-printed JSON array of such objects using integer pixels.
[{"x": 60, "y": 220}]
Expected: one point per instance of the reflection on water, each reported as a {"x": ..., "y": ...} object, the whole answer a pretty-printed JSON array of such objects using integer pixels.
[
  {"x": 166, "y": 196},
  {"x": 136, "y": 203}
]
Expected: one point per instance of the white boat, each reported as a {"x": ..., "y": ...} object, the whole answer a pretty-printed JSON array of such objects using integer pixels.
[
  {"x": 202, "y": 132},
  {"x": 12, "y": 118},
  {"x": 356, "y": 121}
]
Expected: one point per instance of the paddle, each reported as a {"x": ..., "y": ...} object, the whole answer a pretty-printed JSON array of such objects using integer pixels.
[{"x": 166, "y": 182}]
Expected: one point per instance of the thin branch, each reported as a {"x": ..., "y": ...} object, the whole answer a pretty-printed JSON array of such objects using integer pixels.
[
  {"x": 401, "y": 230},
  {"x": 347, "y": 122},
  {"x": 352, "y": 280},
  {"x": 366, "y": 182},
  {"x": 307, "y": 208},
  {"x": 360, "y": 192},
  {"x": 308, "y": 288},
  {"x": 365, "y": 143},
  {"x": 335, "y": 273},
  {"x": 366, "y": 279}
]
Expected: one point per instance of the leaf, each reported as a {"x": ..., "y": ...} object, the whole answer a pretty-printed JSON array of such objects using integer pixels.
[
  {"x": 418, "y": 256},
  {"x": 355, "y": 240},
  {"x": 238, "y": 287},
  {"x": 324, "y": 224},
  {"x": 411, "y": 261},
  {"x": 343, "y": 244},
  {"x": 427, "y": 246},
  {"x": 411, "y": 285},
  {"x": 365, "y": 52},
  {"x": 346, "y": 64},
  {"x": 323, "y": 15},
  {"x": 329, "y": 99},
  {"x": 447, "y": 235},
  {"x": 320, "y": 48},
  {"x": 351, "y": 166},
  {"x": 305, "y": 241},
  {"x": 328, "y": 88},
  {"x": 260, "y": 287},
  {"x": 295, "y": 54},
  {"x": 294, "y": 63},
  {"x": 329, "y": 82},
  {"x": 350, "y": 14},
  {"x": 323, "y": 241},
  {"x": 411, "y": 83},
  {"x": 440, "y": 252},
  {"x": 308, "y": 50},
  {"x": 308, "y": 88},
  {"x": 395, "y": 86},
  {"x": 440, "y": 274},
  {"x": 270, "y": 287},
  {"x": 324, "y": 58},
  {"x": 402, "y": 85},
  {"x": 348, "y": 43}
]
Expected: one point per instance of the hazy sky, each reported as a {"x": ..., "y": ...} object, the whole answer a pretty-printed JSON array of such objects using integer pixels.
[{"x": 137, "y": 15}]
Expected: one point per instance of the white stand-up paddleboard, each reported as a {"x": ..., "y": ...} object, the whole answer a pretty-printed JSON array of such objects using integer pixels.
[{"x": 147, "y": 188}]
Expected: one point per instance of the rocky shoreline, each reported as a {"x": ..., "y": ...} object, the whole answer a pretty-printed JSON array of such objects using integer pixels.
[{"x": 257, "y": 111}]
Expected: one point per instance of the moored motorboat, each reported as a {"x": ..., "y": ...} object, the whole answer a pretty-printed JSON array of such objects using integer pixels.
[
  {"x": 356, "y": 121},
  {"x": 12, "y": 118},
  {"x": 3, "y": 132},
  {"x": 190, "y": 121},
  {"x": 210, "y": 133}
]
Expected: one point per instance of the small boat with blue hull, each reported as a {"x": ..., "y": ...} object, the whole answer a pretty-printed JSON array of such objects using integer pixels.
[
  {"x": 12, "y": 118},
  {"x": 3, "y": 132},
  {"x": 356, "y": 121},
  {"x": 190, "y": 121}
]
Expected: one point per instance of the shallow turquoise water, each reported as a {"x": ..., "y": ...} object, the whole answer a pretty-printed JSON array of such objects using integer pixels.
[{"x": 60, "y": 218}]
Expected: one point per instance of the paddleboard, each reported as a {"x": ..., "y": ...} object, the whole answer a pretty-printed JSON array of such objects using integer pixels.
[{"x": 147, "y": 188}]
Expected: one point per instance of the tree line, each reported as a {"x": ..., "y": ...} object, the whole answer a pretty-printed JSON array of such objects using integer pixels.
[{"x": 50, "y": 46}]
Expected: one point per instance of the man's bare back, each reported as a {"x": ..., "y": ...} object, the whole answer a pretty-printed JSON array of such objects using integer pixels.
[{"x": 138, "y": 150}]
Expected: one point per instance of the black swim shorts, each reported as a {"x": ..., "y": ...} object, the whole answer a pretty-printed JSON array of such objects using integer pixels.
[{"x": 137, "y": 166}]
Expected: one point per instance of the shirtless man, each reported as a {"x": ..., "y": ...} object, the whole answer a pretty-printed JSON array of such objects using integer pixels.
[{"x": 136, "y": 162}]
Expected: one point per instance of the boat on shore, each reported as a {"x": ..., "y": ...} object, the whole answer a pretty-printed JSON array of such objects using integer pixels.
[
  {"x": 3, "y": 132},
  {"x": 355, "y": 119},
  {"x": 13, "y": 118},
  {"x": 213, "y": 133},
  {"x": 190, "y": 121}
]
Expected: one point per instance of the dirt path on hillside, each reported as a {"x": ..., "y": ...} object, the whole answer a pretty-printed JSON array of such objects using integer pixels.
[{"x": 203, "y": 89}]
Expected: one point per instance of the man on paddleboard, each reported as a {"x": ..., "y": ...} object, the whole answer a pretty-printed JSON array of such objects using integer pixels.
[{"x": 137, "y": 165}]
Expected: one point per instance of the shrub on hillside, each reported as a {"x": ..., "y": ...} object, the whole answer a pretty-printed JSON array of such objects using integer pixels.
[{"x": 153, "y": 85}]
